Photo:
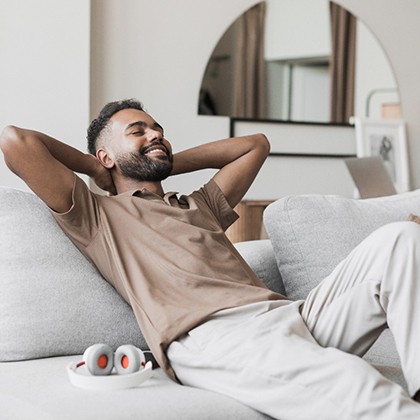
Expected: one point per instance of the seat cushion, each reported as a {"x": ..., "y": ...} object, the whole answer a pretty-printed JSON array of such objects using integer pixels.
[{"x": 40, "y": 390}]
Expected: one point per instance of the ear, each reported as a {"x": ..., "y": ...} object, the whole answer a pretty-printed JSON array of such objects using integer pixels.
[{"x": 105, "y": 157}]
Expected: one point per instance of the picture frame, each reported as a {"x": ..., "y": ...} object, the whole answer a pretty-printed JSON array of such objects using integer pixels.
[{"x": 387, "y": 139}]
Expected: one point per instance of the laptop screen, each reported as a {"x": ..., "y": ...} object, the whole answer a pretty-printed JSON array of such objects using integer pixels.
[{"x": 370, "y": 176}]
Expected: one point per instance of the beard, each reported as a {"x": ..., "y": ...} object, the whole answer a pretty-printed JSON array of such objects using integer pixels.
[{"x": 140, "y": 167}]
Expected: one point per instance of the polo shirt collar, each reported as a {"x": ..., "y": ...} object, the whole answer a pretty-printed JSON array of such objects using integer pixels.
[{"x": 148, "y": 195}]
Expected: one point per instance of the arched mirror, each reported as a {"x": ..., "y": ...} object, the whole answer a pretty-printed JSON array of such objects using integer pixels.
[{"x": 299, "y": 60}]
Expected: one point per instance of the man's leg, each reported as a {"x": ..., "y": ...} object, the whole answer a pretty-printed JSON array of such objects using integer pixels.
[
  {"x": 264, "y": 356},
  {"x": 377, "y": 285}
]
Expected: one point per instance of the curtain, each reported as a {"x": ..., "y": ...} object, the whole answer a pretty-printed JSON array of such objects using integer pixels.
[
  {"x": 343, "y": 34},
  {"x": 249, "y": 71}
]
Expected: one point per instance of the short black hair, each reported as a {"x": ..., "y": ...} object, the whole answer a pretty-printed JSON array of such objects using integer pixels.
[{"x": 97, "y": 126}]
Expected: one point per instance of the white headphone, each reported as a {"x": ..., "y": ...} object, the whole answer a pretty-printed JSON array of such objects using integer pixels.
[{"x": 98, "y": 363}]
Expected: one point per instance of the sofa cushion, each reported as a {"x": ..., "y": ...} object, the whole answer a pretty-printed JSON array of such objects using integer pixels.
[
  {"x": 41, "y": 390},
  {"x": 311, "y": 234},
  {"x": 53, "y": 301},
  {"x": 260, "y": 257}
]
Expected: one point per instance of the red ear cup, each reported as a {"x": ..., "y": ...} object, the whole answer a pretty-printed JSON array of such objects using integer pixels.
[
  {"x": 128, "y": 359},
  {"x": 99, "y": 359}
]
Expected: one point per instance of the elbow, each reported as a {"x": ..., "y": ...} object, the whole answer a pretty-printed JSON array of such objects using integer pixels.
[
  {"x": 11, "y": 144},
  {"x": 9, "y": 136},
  {"x": 263, "y": 143}
]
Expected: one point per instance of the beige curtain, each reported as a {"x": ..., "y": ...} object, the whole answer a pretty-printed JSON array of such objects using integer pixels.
[
  {"x": 343, "y": 32},
  {"x": 249, "y": 72}
]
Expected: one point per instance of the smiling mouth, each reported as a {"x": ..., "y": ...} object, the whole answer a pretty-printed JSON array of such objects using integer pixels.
[{"x": 155, "y": 150}]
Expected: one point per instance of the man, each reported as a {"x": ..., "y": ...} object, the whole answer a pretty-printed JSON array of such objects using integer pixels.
[{"x": 208, "y": 319}]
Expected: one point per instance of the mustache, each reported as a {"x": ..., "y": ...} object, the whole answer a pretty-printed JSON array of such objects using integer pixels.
[{"x": 144, "y": 149}]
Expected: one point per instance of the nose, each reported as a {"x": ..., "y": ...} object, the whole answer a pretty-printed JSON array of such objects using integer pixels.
[{"x": 153, "y": 135}]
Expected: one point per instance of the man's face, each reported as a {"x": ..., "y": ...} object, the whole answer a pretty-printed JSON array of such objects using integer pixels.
[{"x": 141, "y": 151}]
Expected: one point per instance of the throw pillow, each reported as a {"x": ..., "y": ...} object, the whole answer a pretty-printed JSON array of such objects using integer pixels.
[{"x": 311, "y": 234}]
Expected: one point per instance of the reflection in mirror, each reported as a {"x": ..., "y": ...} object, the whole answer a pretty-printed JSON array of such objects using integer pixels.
[{"x": 299, "y": 60}]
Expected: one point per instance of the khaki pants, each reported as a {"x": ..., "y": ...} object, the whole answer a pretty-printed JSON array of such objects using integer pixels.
[{"x": 291, "y": 360}]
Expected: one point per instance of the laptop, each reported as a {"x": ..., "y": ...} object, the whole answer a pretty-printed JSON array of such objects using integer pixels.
[{"x": 370, "y": 176}]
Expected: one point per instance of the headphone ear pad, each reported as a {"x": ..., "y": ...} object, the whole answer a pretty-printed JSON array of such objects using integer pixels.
[
  {"x": 99, "y": 359},
  {"x": 128, "y": 359}
]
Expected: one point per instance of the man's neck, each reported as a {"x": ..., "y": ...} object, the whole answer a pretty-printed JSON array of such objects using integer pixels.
[{"x": 127, "y": 184}]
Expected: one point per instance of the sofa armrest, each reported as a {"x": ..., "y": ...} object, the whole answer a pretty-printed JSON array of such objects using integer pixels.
[{"x": 259, "y": 255}]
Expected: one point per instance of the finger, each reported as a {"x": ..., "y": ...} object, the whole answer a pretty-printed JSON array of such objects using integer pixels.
[{"x": 414, "y": 218}]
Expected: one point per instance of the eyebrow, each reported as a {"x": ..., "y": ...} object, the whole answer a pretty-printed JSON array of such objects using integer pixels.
[{"x": 144, "y": 125}]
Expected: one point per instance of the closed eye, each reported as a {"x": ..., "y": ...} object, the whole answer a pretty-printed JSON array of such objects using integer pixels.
[
  {"x": 158, "y": 127},
  {"x": 140, "y": 125}
]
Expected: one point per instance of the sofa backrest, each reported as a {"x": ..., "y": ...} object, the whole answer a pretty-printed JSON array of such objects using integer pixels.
[
  {"x": 53, "y": 301},
  {"x": 311, "y": 234}
]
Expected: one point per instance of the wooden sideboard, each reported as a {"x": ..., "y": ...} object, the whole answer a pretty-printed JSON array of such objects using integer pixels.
[{"x": 249, "y": 226}]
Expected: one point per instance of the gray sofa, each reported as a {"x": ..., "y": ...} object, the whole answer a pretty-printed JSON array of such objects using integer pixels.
[{"x": 54, "y": 304}]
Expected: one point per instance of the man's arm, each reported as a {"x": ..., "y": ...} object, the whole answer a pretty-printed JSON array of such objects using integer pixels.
[
  {"x": 47, "y": 165},
  {"x": 239, "y": 160}
]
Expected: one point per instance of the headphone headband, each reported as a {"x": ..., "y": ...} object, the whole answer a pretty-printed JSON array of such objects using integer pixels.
[{"x": 80, "y": 377}]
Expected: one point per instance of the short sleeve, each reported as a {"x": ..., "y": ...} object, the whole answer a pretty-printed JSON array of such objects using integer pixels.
[
  {"x": 81, "y": 221},
  {"x": 217, "y": 203}
]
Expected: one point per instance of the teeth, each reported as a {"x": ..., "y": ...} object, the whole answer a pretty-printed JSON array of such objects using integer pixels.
[{"x": 156, "y": 151}]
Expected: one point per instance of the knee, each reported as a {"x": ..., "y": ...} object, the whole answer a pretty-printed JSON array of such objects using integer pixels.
[
  {"x": 407, "y": 228},
  {"x": 404, "y": 233},
  {"x": 396, "y": 232}
]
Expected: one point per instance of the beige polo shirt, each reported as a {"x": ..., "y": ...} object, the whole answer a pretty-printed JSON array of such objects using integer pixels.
[{"x": 169, "y": 257}]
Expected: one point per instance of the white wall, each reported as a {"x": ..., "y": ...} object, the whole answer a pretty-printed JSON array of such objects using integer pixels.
[
  {"x": 373, "y": 72},
  {"x": 44, "y": 71},
  {"x": 395, "y": 24},
  {"x": 157, "y": 51}
]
